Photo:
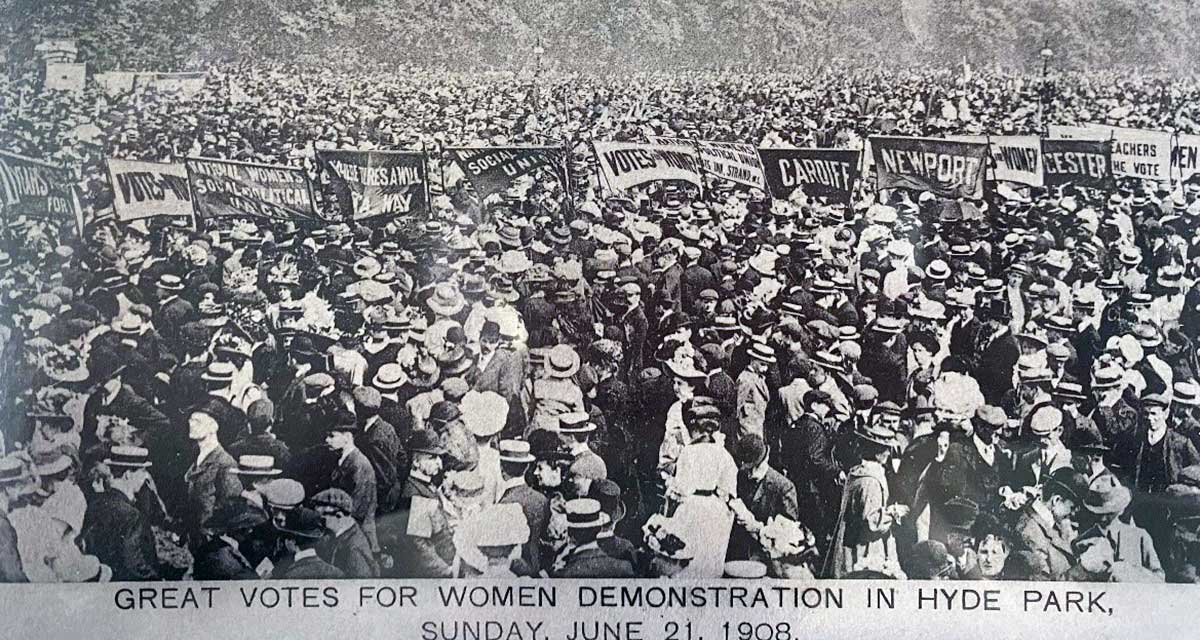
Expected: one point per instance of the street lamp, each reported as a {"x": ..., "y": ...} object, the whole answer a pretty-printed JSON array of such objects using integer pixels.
[
  {"x": 1046, "y": 53},
  {"x": 537, "y": 74}
]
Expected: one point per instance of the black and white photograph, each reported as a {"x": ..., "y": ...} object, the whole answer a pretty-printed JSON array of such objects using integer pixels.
[{"x": 704, "y": 290}]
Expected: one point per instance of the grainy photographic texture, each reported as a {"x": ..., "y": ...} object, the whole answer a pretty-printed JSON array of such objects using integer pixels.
[{"x": 576, "y": 289}]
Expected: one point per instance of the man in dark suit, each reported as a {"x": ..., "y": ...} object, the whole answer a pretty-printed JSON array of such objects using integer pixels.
[
  {"x": 113, "y": 529},
  {"x": 220, "y": 558},
  {"x": 173, "y": 311},
  {"x": 974, "y": 468},
  {"x": 345, "y": 545},
  {"x": 765, "y": 491},
  {"x": 501, "y": 368},
  {"x": 515, "y": 458},
  {"x": 379, "y": 442},
  {"x": 210, "y": 480},
  {"x": 354, "y": 474},
  {"x": 302, "y": 530},
  {"x": 584, "y": 558},
  {"x": 608, "y": 494},
  {"x": 415, "y": 535}
]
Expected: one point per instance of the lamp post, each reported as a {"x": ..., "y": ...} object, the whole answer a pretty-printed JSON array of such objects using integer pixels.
[
  {"x": 537, "y": 74},
  {"x": 1046, "y": 53}
]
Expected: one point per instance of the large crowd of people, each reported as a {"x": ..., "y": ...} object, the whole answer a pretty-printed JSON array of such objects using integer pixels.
[{"x": 666, "y": 382}]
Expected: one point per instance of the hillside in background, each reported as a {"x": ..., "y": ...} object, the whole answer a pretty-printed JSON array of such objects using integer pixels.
[{"x": 609, "y": 35}]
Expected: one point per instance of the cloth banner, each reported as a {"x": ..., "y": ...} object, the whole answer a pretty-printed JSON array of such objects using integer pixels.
[
  {"x": 734, "y": 161},
  {"x": 493, "y": 169},
  {"x": 187, "y": 83},
  {"x": 628, "y": 164},
  {"x": 368, "y": 184},
  {"x": 1083, "y": 163},
  {"x": 115, "y": 82},
  {"x": 148, "y": 189},
  {"x": 227, "y": 188},
  {"x": 1185, "y": 157},
  {"x": 36, "y": 189},
  {"x": 1136, "y": 153},
  {"x": 943, "y": 167},
  {"x": 1017, "y": 158},
  {"x": 819, "y": 172},
  {"x": 1139, "y": 153},
  {"x": 66, "y": 76}
]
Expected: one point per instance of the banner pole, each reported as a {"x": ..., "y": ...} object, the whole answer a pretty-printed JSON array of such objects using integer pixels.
[{"x": 601, "y": 182}]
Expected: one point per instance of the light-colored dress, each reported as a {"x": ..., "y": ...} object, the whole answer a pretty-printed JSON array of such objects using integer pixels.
[{"x": 705, "y": 474}]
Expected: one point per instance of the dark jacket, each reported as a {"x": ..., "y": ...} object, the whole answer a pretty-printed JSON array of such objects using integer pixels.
[
  {"x": 380, "y": 444},
  {"x": 350, "y": 552},
  {"x": 208, "y": 485},
  {"x": 593, "y": 562},
  {"x": 537, "y": 513},
  {"x": 119, "y": 536},
  {"x": 217, "y": 560}
]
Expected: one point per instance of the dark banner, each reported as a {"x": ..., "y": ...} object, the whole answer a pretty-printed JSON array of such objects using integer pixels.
[
  {"x": 942, "y": 167},
  {"x": 493, "y": 169},
  {"x": 1083, "y": 163},
  {"x": 36, "y": 189},
  {"x": 223, "y": 188},
  {"x": 370, "y": 184},
  {"x": 819, "y": 172}
]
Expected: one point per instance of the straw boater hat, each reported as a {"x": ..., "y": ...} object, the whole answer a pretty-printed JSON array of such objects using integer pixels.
[
  {"x": 575, "y": 422},
  {"x": 516, "y": 451},
  {"x": 256, "y": 465},
  {"x": 562, "y": 362},
  {"x": 585, "y": 513},
  {"x": 128, "y": 457}
]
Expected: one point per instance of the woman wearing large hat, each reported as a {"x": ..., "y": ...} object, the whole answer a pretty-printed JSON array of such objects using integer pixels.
[
  {"x": 863, "y": 538},
  {"x": 556, "y": 393}
]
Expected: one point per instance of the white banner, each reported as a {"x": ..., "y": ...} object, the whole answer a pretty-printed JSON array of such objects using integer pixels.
[
  {"x": 1017, "y": 158},
  {"x": 1137, "y": 153},
  {"x": 734, "y": 161},
  {"x": 115, "y": 82},
  {"x": 148, "y": 189},
  {"x": 1185, "y": 159},
  {"x": 66, "y": 76},
  {"x": 628, "y": 164},
  {"x": 187, "y": 83}
]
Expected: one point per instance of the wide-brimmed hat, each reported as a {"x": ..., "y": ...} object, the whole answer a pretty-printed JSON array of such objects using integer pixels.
[
  {"x": 1045, "y": 420},
  {"x": 877, "y": 434},
  {"x": 1106, "y": 496},
  {"x": 425, "y": 373},
  {"x": 585, "y": 513},
  {"x": 256, "y": 465},
  {"x": 446, "y": 300}
]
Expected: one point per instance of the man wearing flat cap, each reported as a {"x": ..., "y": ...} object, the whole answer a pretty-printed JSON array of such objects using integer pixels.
[
  {"x": 974, "y": 468},
  {"x": 345, "y": 546},
  {"x": 302, "y": 530},
  {"x": 353, "y": 473},
  {"x": 378, "y": 441}
]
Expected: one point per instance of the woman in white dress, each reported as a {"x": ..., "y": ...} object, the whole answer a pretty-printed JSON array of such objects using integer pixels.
[{"x": 705, "y": 478}]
